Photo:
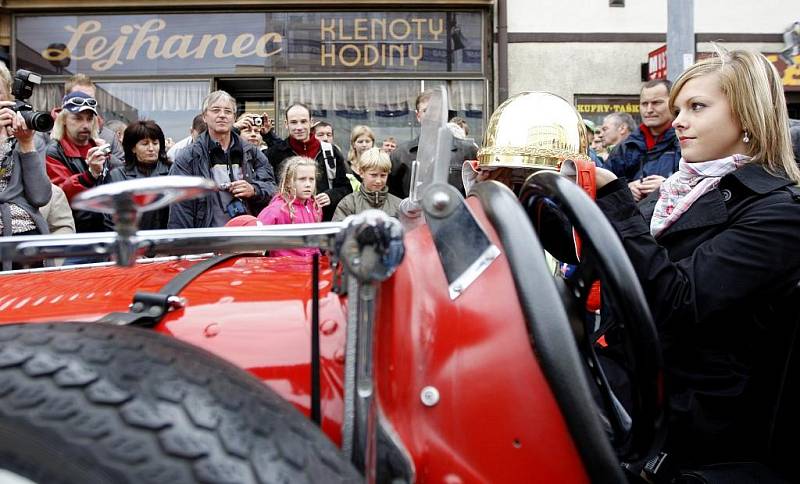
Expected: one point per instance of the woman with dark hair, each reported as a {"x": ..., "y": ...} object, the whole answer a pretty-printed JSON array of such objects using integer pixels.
[{"x": 145, "y": 156}]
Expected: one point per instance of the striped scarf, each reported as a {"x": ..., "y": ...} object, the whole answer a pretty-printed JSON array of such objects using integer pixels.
[{"x": 685, "y": 186}]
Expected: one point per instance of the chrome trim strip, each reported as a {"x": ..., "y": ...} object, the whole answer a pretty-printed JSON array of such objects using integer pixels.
[
  {"x": 173, "y": 242},
  {"x": 473, "y": 271}
]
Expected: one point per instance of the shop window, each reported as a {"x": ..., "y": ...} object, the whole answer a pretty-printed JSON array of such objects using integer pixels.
[
  {"x": 386, "y": 106},
  {"x": 171, "y": 104}
]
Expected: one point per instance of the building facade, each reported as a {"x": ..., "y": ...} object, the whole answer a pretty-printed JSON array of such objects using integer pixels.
[
  {"x": 364, "y": 61},
  {"x": 352, "y": 63},
  {"x": 595, "y": 55}
]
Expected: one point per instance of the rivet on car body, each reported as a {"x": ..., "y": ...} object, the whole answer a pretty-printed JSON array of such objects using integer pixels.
[
  {"x": 328, "y": 327},
  {"x": 211, "y": 330},
  {"x": 429, "y": 396}
]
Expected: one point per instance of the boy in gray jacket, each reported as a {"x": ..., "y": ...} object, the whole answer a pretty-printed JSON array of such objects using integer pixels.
[{"x": 373, "y": 167}]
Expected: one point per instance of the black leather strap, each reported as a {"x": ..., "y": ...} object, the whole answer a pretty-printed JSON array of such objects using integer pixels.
[{"x": 149, "y": 308}]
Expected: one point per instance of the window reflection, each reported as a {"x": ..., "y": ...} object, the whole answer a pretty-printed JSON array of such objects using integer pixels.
[{"x": 386, "y": 106}]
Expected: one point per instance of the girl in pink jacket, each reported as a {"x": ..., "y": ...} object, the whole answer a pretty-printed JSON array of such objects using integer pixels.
[{"x": 295, "y": 202}]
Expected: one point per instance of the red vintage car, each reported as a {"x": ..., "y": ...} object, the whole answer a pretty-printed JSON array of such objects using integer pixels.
[
  {"x": 444, "y": 353},
  {"x": 460, "y": 367}
]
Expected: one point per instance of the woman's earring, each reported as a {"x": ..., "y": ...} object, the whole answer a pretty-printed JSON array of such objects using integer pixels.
[{"x": 746, "y": 138}]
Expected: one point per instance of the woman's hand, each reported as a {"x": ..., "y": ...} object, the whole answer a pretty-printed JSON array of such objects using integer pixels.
[{"x": 603, "y": 177}]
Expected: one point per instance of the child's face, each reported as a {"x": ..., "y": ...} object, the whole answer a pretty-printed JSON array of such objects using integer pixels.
[
  {"x": 374, "y": 179},
  {"x": 304, "y": 182},
  {"x": 362, "y": 143}
]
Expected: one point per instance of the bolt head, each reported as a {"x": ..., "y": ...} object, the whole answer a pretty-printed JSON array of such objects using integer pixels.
[
  {"x": 429, "y": 396},
  {"x": 440, "y": 200}
]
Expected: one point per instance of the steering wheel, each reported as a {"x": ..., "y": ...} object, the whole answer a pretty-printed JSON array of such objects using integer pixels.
[{"x": 555, "y": 205}]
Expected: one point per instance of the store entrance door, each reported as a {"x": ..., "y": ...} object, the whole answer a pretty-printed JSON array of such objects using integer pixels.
[{"x": 253, "y": 94}]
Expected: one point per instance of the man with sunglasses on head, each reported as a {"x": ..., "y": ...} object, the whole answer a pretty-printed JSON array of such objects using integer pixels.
[{"x": 77, "y": 159}]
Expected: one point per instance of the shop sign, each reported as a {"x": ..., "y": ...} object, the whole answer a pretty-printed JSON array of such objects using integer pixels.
[
  {"x": 217, "y": 43},
  {"x": 789, "y": 74},
  {"x": 657, "y": 64},
  {"x": 595, "y": 108}
]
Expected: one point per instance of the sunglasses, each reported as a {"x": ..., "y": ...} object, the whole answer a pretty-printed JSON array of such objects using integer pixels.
[{"x": 80, "y": 101}]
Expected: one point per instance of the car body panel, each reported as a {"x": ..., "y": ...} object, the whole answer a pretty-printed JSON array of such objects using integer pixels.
[{"x": 496, "y": 419}]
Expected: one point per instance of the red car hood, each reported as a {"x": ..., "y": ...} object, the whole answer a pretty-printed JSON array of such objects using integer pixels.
[{"x": 253, "y": 311}]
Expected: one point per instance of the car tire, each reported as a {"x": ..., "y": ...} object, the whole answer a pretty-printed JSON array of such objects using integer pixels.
[{"x": 92, "y": 403}]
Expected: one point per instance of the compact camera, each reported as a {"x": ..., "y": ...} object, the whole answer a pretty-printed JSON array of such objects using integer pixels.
[
  {"x": 258, "y": 121},
  {"x": 105, "y": 149},
  {"x": 22, "y": 89}
]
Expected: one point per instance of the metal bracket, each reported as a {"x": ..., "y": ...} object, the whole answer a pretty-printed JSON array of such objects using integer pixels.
[
  {"x": 465, "y": 250},
  {"x": 146, "y": 310}
]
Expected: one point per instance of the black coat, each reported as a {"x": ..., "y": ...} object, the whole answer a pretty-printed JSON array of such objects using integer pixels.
[
  {"x": 336, "y": 191},
  {"x": 718, "y": 282}
]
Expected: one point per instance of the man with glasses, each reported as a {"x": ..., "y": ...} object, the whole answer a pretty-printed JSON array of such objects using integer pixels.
[
  {"x": 239, "y": 168},
  {"x": 76, "y": 157}
]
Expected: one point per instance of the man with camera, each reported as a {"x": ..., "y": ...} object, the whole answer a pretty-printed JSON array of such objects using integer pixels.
[
  {"x": 76, "y": 157},
  {"x": 239, "y": 168},
  {"x": 24, "y": 186}
]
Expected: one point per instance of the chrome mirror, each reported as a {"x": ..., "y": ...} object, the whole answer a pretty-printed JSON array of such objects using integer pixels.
[{"x": 125, "y": 201}]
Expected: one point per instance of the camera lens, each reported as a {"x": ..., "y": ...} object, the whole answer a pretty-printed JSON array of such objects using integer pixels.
[{"x": 38, "y": 121}]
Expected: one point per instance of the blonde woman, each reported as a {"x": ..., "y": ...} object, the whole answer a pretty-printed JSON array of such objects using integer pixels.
[{"x": 716, "y": 252}]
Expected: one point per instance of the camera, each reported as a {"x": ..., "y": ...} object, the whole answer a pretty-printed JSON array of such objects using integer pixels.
[
  {"x": 235, "y": 208},
  {"x": 258, "y": 121},
  {"x": 22, "y": 89},
  {"x": 105, "y": 149}
]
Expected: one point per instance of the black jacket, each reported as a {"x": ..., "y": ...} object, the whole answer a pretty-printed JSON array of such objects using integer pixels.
[
  {"x": 194, "y": 160},
  {"x": 153, "y": 220},
  {"x": 406, "y": 153},
  {"x": 337, "y": 190},
  {"x": 718, "y": 282},
  {"x": 633, "y": 160}
]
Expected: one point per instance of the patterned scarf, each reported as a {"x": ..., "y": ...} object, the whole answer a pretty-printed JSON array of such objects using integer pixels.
[{"x": 685, "y": 186}]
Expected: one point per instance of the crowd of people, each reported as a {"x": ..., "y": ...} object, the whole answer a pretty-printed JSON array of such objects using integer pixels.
[{"x": 258, "y": 172}]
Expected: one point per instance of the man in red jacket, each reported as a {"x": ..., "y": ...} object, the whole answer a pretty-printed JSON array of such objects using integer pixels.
[{"x": 76, "y": 157}]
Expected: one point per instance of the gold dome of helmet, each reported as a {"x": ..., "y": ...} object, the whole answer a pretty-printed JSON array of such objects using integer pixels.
[{"x": 536, "y": 130}]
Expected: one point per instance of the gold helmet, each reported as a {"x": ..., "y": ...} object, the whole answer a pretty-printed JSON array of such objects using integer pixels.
[{"x": 535, "y": 130}]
